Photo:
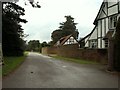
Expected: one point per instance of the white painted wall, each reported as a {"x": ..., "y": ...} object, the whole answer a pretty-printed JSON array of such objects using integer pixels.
[
  {"x": 99, "y": 28},
  {"x": 113, "y": 10},
  {"x": 94, "y": 34},
  {"x": 67, "y": 42},
  {"x": 86, "y": 42},
  {"x": 110, "y": 2},
  {"x": 103, "y": 44},
  {"x": 102, "y": 14},
  {"x": 103, "y": 27},
  {"x": 99, "y": 43},
  {"x": 107, "y": 23}
]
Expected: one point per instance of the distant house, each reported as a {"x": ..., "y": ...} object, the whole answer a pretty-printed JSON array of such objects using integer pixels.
[
  {"x": 84, "y": 41},
  {"x": 66, "y": 40},
  {"x": 105, "y": 24}
]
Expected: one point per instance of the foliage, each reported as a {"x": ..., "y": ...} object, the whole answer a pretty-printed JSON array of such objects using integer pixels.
[
  {"x": 36, "y": 5},
  {"x": 44, "y": 44},
  {"x": 12, "y": 32},
  {"x": 56, "y": 35},
  {"x": 33, "y": 45},
  {"x": 66, "y": 28},
  {"x": 32, "y": 2},
  {"x": 36, "y": 46},
  {"x": 11, "y": 63},
  {"x": 117, "y": 46}
]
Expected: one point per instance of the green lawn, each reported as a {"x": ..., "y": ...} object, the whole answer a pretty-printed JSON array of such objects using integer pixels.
[
  {"x": 11, "y": 63},
  {"x": 80, "y": 61}
]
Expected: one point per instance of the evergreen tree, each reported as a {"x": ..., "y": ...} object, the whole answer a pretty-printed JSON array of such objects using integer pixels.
[
  {"x": 12, "y": 31},
  {"x": 69, "y": 27},
  {"x": 66, "y": 28}
]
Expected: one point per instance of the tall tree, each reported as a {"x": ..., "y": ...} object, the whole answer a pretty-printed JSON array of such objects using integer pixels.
[
  {"x": 66, "y": 28},
  {"x": 12, "y": 31},
  {"x": 69, "y": 27}
]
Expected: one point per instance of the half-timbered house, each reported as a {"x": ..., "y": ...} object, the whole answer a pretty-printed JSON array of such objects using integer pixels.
[
  {"x": 105, "y": 24},
  {"x": 66, "y": 40}
]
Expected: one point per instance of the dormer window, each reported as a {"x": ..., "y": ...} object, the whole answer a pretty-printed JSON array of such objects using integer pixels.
[{"x": 113, "y": 22}]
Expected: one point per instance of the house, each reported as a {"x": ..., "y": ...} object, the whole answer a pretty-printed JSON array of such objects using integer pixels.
[
  {"x": 66, "y": 41},
  {"x": 105, "y": 24},
  {"x": 84, "y": 41}
]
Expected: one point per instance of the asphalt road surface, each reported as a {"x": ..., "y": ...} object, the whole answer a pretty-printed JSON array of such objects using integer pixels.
[{"x": 39, "y": 71}]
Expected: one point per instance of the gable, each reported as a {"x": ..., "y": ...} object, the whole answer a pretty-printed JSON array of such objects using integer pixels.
[
  {"x": 112, "y": 2},
  {"x": 66, "y": 40},
  {"x": 108, "y": 8},
  {"x": 103, "y": 11},
  {"x": 71, "y": 40}
]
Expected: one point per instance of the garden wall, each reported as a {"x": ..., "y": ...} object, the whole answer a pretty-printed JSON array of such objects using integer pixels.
[
  {"x": 73, "y": 51},
  {"x": 49, "y": 50}
]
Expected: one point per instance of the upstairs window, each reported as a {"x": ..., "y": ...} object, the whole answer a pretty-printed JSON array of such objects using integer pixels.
[{"x": 112, "y": 22}]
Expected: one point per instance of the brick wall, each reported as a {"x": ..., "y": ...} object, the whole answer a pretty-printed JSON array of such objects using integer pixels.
[
  {"x": 73, "y": 51},
  {"x": 68, "y": 50},
  {"x": 99, "y": 55},
  {"x": 49, "y": 50}
]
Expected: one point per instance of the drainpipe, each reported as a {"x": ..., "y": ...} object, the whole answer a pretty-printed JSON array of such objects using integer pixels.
[
  {"x": 111, "y": 52},
  {"x": 1, "y": 33},
  {"x": 111, "y": 55}
]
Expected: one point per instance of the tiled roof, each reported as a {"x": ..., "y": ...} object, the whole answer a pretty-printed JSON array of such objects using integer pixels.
[{"x": 64, "y": 39}]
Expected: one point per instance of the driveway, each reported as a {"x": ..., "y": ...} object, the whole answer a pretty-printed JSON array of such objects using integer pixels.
[{"x": 39, "y": 71}]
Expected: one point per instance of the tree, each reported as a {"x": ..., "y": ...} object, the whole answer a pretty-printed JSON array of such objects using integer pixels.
[
  {"x": 44, "y": 44},
  {"x": 69, "y": 27},
  {"x": 56, "y": 35},
  {"x": 32, "y": 2},
  {"x": 117, "y": 46},
  {"x": 66, "y": 28},
  {"x": 12, "y": 31},
  {"x": 34, "y": 45}
]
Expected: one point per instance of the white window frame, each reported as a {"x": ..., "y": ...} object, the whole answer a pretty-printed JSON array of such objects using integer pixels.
[
  {"x": 112, "y": 22},
  {"x": 106, "y": 43}
]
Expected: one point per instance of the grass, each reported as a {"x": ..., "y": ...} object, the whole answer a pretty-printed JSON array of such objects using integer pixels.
[
  {"x": 11, "y": 63},
  {"x": 80, "y": 61}
]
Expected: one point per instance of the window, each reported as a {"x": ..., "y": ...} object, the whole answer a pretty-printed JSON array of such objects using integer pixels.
[
  {"x": 106, "y": 43},
  {"x": 93, "y": 43},
  {"x": 113, "y": 22},
  {"x": 71, "y": 40}
]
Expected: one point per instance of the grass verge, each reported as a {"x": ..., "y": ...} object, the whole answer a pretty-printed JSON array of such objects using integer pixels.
[
  {"x": 80, "y": 61},
  {"x": 11, "y": 63}
]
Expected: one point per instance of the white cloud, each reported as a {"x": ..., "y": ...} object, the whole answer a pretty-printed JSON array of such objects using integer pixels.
[{"x": 42, "y": 21}]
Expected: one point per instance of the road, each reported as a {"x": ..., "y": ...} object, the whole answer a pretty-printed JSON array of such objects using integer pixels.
[{"x": 39, "y": 71}]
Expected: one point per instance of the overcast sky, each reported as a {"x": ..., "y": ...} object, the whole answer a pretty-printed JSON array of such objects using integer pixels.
[{"x": 43, "y": 21}]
